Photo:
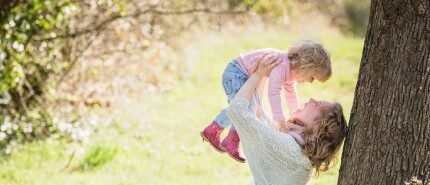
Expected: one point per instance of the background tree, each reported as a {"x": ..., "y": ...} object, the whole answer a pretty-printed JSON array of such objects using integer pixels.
[{"x": 389, "y": 130}]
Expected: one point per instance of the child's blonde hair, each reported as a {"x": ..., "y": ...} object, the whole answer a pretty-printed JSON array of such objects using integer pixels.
[{"x": 309, "y": 57}]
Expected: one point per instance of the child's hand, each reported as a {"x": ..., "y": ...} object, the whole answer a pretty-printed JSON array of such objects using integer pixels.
[
  {"x": 282, "y": 126},
  {"x": 266, "y": 63}
]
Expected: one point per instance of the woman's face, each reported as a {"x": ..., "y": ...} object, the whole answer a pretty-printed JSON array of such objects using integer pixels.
[{"x": 311, "y": 111}]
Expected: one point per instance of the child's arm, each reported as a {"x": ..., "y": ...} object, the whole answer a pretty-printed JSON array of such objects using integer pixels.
[
  {"x": 276, "y": 80},
  {"x": 291, "y": 96}
]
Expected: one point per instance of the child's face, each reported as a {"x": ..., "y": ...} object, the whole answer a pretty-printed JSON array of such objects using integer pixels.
[{"x": 304, "y": 77}]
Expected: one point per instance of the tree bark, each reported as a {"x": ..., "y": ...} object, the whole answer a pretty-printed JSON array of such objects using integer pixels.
[{"x": 389, "y": 131}]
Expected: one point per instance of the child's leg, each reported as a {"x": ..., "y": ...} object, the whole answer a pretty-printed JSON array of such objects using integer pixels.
[{"x": 233, "y": 79}]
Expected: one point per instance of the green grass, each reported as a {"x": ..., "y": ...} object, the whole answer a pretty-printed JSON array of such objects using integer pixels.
[
  {"x": 96, "y": 156},
  {"x": 155, "y": 138}
]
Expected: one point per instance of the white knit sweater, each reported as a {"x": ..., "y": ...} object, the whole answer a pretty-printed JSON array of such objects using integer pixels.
[{"x": 273, "y": 157}]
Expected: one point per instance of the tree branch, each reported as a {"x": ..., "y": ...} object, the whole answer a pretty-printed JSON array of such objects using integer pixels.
[
  {"x": 74, "y": 61},
  {"x": 137, "y": 14}
]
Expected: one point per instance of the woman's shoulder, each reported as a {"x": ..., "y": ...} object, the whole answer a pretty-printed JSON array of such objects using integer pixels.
[
  {"x": 291, "y": 142},
  {"x": 295, "y": 151}
]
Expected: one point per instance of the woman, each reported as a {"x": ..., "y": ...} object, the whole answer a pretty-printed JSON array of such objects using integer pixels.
[{"x": 309, "y": 140}]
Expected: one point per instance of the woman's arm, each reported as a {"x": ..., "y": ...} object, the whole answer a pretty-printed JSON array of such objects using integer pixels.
[
  {"x": 260, "y": 91},
  {"x": 251, "y": 131},
  {"x": 238, "y": 109}
]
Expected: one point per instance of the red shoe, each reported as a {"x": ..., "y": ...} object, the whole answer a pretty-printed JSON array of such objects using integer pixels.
[
  {"x": 230, "y": 144},
  {"x": 211, "y": 134}
]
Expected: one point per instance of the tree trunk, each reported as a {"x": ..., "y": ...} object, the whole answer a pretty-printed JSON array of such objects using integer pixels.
[{"x": 389, "y": 131}]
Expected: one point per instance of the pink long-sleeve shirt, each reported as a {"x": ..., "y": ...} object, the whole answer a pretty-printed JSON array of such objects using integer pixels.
[{"x": 279, "y": 79}]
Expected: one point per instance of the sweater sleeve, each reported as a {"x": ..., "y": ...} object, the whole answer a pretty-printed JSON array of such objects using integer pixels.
[
  {"x": 291, "y": 96},
  {"x": 253, "y": 132}
]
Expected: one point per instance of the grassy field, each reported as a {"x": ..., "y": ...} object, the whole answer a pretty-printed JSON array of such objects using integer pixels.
[{"x": 155, "y": 137}]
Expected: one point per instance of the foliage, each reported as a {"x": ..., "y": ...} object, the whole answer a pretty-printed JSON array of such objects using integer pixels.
[
  {"x": 350, "y": 15},
  {"x": 27, "y": 64},
  {"x": 96, "y": 156},
  {"x": 58, "y": 56},
  {"x": 357, "y": 13},
  {"x": 415, "y": 181},
  {"x": 268, "y": 7}
]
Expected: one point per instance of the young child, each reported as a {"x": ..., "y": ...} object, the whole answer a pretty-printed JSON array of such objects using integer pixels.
[{"x": 304, "y": 61}]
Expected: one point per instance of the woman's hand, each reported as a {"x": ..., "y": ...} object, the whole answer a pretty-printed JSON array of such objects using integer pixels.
[{"x": 266, "y": 63}]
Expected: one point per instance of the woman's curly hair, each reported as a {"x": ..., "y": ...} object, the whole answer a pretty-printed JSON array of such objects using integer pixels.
[{"x": 323, "y": 139}]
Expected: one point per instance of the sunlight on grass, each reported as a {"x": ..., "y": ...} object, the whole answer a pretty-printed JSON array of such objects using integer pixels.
[
  {"x": 154, "y": 138},
  {"x": 97, "y": 156}
]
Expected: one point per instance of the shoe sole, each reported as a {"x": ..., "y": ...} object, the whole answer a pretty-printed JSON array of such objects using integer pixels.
[
  {"x": 207, "y": 140},
  {"x": 238, "y": 160}
]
